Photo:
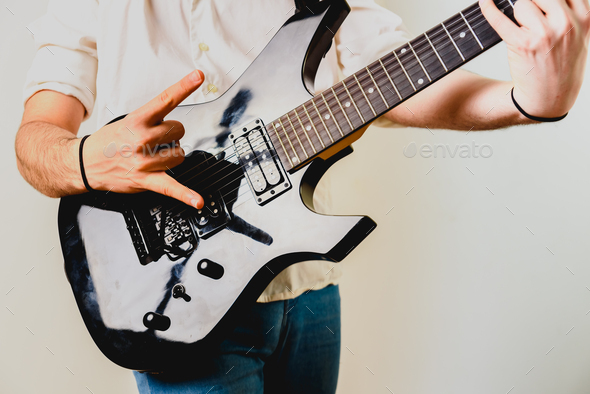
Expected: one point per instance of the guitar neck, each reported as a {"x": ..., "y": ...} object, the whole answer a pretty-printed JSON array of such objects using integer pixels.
[{"x": 335, "y": 114}]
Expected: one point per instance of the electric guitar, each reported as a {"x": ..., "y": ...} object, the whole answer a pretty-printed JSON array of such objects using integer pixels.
[{"x": 159, "y": 283}]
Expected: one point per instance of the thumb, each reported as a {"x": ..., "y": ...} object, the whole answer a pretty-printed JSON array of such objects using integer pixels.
[{"x": 162, "y": 183}]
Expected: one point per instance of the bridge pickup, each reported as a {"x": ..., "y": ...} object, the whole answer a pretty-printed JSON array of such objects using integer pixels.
[{"x": 260, "y": 163}]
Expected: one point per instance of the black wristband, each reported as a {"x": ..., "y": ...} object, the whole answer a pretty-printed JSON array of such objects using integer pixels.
[
  {"x": 535, "y": 118},
  {"x": 84, "y": 179}
]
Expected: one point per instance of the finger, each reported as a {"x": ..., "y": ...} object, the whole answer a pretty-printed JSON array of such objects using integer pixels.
[
  {"x": 580, "y": 7},
  {"x": 162, "y": 183},
  {"x": 558, "y": 14},
  {"x": 506, "y": 29},
  {"x": 551, "y": 6},
  {"x": 165, "y": 159},
  {"x": 168, "y": 131},
  {"x": 155, "y": 111},
  {"x": 529, "y": 15}
]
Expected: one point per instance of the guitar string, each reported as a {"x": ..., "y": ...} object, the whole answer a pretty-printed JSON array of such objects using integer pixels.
[
  {"x": 341, "y": 118},
  {"x": 478, "y": 17},
  {"x": 218, "y": 180},
  {"x": 356, "y": 89}
]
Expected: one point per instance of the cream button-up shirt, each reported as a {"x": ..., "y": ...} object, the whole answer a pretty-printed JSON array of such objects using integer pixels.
[{"x": 115, "y": 55}]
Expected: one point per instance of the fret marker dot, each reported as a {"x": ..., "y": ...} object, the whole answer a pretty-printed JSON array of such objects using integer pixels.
[
  {"x": 403, "y": 50},
  {"x": 277, "y": 125},
  {"x": 327, "y": 116},
  {"x": 295, "y": 160},
  {"x": 347, "y": 104},
  {"x": 420, "y": 81},
  {"x": 462, "y": 35},
  {"x": 308, "y": 128},
  {"x": 371, "y": 90}
]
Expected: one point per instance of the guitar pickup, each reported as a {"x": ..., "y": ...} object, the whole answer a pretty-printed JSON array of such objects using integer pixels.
[{"x": 262, "y": 168}]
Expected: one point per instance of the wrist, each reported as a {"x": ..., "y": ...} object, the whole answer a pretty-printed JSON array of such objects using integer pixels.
[
  {"x": 82, "y": 166},
  {"x": 532, "y": 116},
  {"x": 75, "y": 179}
]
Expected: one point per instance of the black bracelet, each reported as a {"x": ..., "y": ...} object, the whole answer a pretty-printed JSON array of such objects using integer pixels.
[
  {"x": 84, "y": 179},
  {"x": 535, "y": 118}
]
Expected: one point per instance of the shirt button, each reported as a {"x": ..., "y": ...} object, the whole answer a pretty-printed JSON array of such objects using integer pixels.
[
  {"x": 211, "y": 88},
  {"x": 203, "y": 47}
]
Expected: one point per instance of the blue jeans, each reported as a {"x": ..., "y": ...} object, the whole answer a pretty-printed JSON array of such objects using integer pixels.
[{"x": 290, "y": 346}]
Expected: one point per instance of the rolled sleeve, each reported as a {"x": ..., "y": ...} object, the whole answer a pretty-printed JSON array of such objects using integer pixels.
[{"x": 66, "y": 59}]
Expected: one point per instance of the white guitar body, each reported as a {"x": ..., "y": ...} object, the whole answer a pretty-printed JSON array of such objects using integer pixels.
[{"x": 117, "y": 293}]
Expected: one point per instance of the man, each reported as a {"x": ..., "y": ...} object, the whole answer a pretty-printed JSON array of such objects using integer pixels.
[{"x": 111, "y": 56}]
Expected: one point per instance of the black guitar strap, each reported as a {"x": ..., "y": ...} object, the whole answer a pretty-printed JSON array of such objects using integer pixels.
[{"x": 301, "y": 4}]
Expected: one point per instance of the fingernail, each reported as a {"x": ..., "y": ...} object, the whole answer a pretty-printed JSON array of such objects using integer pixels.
[
  {"x": 196, "y": 76},
  {"x": 194, "y": 202}
]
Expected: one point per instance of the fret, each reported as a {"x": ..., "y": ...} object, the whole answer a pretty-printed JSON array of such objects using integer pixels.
[
  {"x": 378, "y": 88},
  {"x": 348, "y": 106},
  {"x": 296, "y": 158},
  {"x": 282, "y": 145},
  {"x": 411, "y": 66},
  {"x": 471, "y": 30},
  {"x": 419, "y": 62},
  {"x": 399, "y": 76},
  {"x": 322, "y": 120},
  {"x": 309, "y": 127},
  {"x": 342, "y": 109},
  {"x": 390, "y": 80},
  {"x": 453, "y": 42},
  {"x": 353, "y": 102},
  {"x": 444, "y": 47},
  {"x": 436, "y": 53},
  {"x": 383, "y": 81},
  {"x": 337, "y": 113},
  {"x": 296, "y": 135},
  {"x": 487, "y": 35},
  {"x": 464, "y": 39},
  {"x": 304, "y": 131},
  {"x": 331, "y": 116},
  {"x": 362, "y": 89},
  {"x": 405, "y": 72},
  {"x": 428, "y": 58}
]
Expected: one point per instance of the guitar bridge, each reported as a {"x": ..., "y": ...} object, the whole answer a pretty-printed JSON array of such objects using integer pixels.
[
  {"x": 263, "y": 169},
  {"x": 160, "y": 226},
  {"x": 158, "y": 231}
]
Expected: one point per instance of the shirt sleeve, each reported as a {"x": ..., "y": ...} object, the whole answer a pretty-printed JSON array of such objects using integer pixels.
[{"x": 66, "y": 59}]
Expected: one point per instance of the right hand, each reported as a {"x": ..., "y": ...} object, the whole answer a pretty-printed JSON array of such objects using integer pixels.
[{"x": 117, "y": 157}]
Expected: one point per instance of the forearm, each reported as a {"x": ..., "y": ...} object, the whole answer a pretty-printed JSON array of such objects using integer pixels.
[
  {"x": 47, "y": 157},
  {"x": 461, "y": 101}
]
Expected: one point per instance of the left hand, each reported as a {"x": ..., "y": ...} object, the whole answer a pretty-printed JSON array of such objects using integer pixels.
[{"x": 547, "y": 52}]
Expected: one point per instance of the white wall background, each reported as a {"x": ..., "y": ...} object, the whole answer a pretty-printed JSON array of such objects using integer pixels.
[{"x": 475, "y": 282}]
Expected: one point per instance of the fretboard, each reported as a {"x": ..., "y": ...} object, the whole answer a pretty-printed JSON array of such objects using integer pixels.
[{"x": 327, "y": 118}]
